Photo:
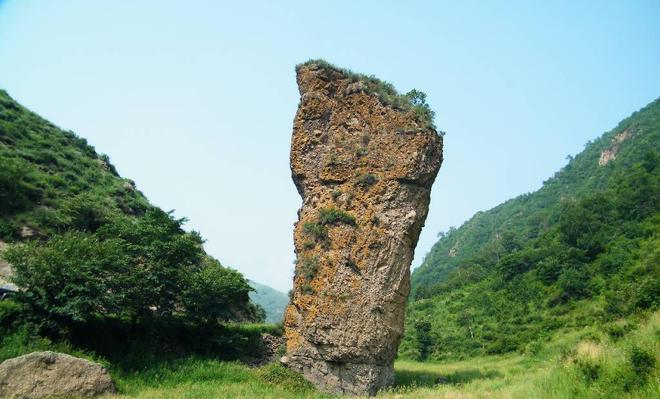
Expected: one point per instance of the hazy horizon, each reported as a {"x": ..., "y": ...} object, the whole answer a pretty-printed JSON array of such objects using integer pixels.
[{"x": 195, "y": 101}]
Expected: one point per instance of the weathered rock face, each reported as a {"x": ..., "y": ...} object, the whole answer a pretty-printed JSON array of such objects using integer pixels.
[
  {"x": 50, "y": 374},
  {"x": 364, "y": 170},
  {"x": 610, "y": 153}
]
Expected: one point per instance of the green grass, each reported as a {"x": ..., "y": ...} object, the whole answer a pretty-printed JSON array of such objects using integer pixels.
[
  {"x": 586, "y": 363},
  {"x": 196, "y": 378},
  {"x": 556, "y": 371},
  {"x": 553, "y": 373}
]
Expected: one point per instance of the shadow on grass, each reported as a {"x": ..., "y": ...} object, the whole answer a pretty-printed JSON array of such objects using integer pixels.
[{"x": 420, "y": 378}]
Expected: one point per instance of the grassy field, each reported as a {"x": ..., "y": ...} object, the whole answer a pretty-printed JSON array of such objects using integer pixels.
[
  {"x": 589, "y": 363},
  {"x": 592, "y": 362}
]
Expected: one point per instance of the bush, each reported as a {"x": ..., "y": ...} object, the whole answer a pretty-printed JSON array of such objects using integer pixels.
[
  {"x": 6, "y": 230},
  {"x": 647, "y": 294},
  {"x": 87, "y": 212},
  {"x": 335, "y": 216},
  {"x": 419, "y": 106},
  {"x": 218, "y": 293},
  {"x": 366, "y": 180},
  {"x": 309, "y": 267},
  {"x": 131, "y": 270},
  {"x": 307, "y": 289},
  {"x": 361, "y": 152},
  {"x": 422, "y": 338},
  {"x": 572, "y": 284},
  {"x": 72, "y": 277},
  {"x": 318, "y": 231},
  {"x": 589, "y": 369},
  {"x": 642, "y": 362}
]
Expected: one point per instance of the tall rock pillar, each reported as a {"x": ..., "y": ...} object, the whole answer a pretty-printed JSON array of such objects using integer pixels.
[{"x": 363, "y": 159}]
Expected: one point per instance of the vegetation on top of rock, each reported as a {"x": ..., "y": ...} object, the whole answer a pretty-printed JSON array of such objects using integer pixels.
[{"x": 414, "y": 100}]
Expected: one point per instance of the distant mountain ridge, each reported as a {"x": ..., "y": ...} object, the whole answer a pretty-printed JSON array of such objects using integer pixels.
[{"x": 271, "y": 300}]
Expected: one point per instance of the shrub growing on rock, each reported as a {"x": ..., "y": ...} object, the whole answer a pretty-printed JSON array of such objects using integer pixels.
[{"x": 335, "y": 216}]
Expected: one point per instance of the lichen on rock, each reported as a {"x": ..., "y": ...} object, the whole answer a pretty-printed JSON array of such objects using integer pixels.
[{"x": 364, "y": 165}]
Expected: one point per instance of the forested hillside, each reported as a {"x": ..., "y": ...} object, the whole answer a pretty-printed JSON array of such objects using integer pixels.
[
  {"x": 584, "y": 249},
  {"x": 89, "y": 252}
]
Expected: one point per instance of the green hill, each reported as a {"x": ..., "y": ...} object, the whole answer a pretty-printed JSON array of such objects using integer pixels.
[
  {"x": 94, "y": 253},
  {"x": 583, "y": 249},
  {"x": 45, "y": 172},
  {"x": 271, "y": 300}
]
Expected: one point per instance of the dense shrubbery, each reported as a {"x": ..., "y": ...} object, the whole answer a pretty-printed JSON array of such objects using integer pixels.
[
  {"x": 14, "y": 191},
  {"x": 131, "y": 270}
]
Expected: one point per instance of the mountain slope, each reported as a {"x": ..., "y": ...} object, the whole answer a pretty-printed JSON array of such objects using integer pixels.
[
  {"x": 54, "y": 185},
  {"x": 271, "y": 300},
  {"x": 527, "y": 216},
  {"x": 582, "y": 250},
  {"x": 45, "y": 172}
]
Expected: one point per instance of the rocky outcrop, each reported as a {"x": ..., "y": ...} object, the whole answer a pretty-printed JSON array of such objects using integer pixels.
[
  {"x": 364, "y": 167},
  {"x": 50, "y": 374},
  {"x": 267, "y": 352},
  {"x": 610, "y": 153}
]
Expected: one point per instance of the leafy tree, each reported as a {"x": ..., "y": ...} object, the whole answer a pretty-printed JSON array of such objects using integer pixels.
[
  {"x": 218, "y": 293},
  {"x": 423, "y": 339},
  {"x": 131, "y": 269},
  {"x": 73, "y": 277},
  {"x": 164, "y": 257},
  {"x": 416, "y": 97}
]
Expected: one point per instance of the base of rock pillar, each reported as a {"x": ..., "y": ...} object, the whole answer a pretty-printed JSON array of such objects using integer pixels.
[{"x": 343, "y": 378}]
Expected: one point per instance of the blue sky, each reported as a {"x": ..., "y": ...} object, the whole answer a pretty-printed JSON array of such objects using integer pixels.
[{"x": 194, "y": 100}]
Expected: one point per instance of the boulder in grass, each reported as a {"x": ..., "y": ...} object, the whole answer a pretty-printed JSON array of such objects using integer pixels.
[{"x": 50, "y": 374}]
